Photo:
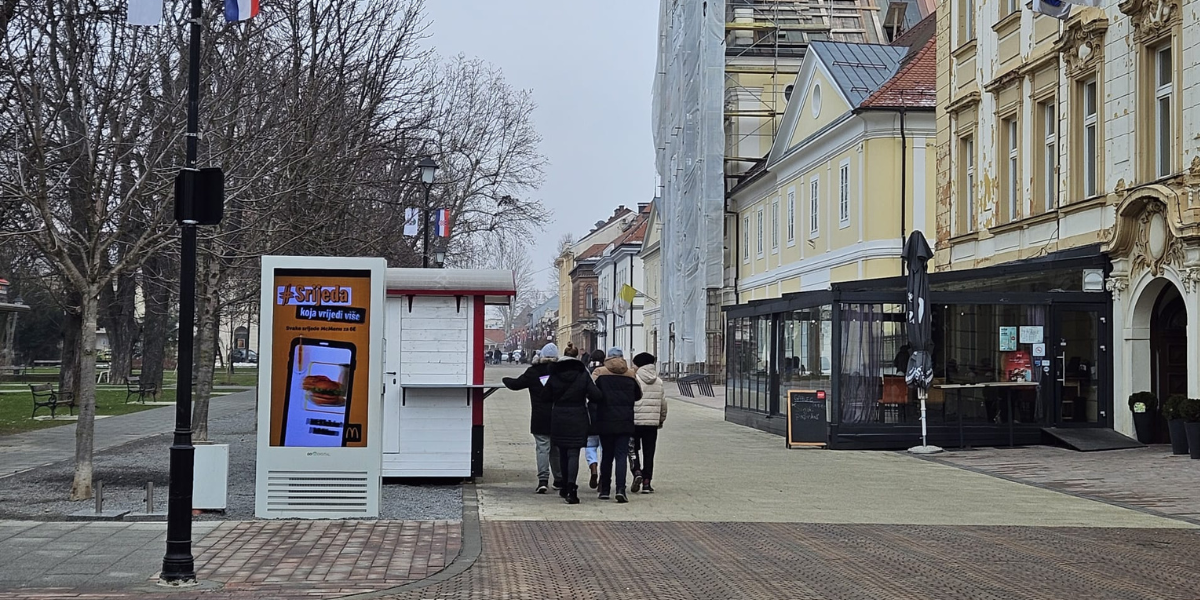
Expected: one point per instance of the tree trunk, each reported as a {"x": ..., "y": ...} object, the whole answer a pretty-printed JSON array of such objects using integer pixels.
[
  {"x": 157, "y": 324},
  {"x": 81, "y": 488},
  {"x": 68, "y": 374},
  {"x": 207, "y": 323},
  {"x": 119, "y": 320}
]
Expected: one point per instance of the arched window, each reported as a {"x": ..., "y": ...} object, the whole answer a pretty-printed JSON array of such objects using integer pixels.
[{"x": 591, "y": 298}]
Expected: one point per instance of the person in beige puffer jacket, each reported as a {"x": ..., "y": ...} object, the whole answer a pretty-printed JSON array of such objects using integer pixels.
[{"x": 649, "y": 414}]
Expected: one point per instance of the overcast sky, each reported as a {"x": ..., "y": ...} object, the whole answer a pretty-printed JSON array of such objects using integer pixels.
[{"x": 590, "y": 66}]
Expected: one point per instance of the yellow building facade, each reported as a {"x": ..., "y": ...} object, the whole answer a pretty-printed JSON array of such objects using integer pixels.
[{"x": 850, "y": 175}]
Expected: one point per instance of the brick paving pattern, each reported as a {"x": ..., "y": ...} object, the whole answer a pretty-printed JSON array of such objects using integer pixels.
[
  {"x": 1149, "y": 478},
  {"x": 299, "y": 559},
  {"x": 666, "y": 561}
]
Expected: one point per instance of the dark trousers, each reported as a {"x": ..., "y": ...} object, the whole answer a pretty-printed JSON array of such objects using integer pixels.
[
  {"x": 568, "y": 460},
  {"x": 647, "y": 437},
  {"x": 614, "y": 448}
]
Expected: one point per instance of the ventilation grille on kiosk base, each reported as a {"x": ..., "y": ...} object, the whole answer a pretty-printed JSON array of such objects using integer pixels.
[{"x": 317, "y": 491}]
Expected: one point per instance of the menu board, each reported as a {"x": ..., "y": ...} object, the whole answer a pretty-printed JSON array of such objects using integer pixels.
[{"x": 807, "y": 416}]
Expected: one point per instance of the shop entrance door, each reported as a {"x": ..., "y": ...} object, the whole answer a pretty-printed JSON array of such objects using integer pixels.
[{"x": 1080, "y": 364}]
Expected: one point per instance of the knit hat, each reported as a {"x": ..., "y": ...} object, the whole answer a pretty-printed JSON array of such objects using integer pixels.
[
  {"x": 615, "y": 352},
  {"x": 643, "y": 359},
  {"x": 550, "y": 351},
  {"x": 597, "y": 355}
]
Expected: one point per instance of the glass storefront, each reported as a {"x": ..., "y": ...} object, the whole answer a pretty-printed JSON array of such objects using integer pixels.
[{"x": 1006, "y": 364}]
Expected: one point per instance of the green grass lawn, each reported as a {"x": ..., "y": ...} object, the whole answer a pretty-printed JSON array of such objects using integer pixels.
[{"x": 15, "y": 409}]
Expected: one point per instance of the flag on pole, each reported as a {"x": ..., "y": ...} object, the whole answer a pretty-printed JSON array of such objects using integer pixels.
[
  {"x": 412, "y": 218},
  {"x": 145, "y": 12},
  {"x": 443, "y": 223},
  {"x": 624, "y": 299},
  {"x": 240, "y": 10},
  {"x": 1059, "y": 9}
]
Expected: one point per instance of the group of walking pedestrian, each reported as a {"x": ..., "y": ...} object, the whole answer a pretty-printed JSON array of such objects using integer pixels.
[{"x": 605, "y": 407}]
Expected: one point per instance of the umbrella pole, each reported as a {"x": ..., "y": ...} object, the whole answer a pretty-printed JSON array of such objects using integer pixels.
[{"x": 924, "y": 448}]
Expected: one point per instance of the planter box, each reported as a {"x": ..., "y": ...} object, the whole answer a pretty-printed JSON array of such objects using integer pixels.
[
  {"x": 1179, "y": 443},
  {"x": 1193, "y": 438},
  {"x": 1143, "y": 423},
  {"x": 210, "y": 481}
]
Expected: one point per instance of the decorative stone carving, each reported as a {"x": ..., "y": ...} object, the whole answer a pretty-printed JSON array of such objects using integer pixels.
[
  {"x": 1155, "y": 245},
  {"x": 1116, "y": 284},
  {"x": 1082, "y": 42},
  {"x": 1151, "y": 18},
  {"x": 1191, "y": 280}
]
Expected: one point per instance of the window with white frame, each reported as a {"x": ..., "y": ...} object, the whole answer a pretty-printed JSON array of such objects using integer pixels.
[
  {"x": 844, "y": 194},
  {"x": 760, "y": 232},
  {"x": 1091, "y": 141},
  {"x": 1012, "y": 168},
  {"x": 1049, "y": 154},
  {"x": 746, "y": 238},
  {"x": 966, "y": 21},
  {"x": 814, "y": 207},
  {"x": 791, "y": 216},
  {"x": 966, "y": 164},
  {"x": 775, "y": 226},
  {"x": 1163, "y": 100}
]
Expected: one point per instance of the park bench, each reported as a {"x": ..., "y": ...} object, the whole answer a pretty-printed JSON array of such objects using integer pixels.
[
  {"x": 12, "y": 370},
  {"x": 135, "y": 388},
  {"x": 686, "y": 382},
  {"x": 44, "y": 396}
]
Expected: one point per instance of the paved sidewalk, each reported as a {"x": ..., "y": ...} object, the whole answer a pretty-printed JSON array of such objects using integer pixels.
[
  {"x": 24, "y": 451},
  {"x": 1150, "y": 478},
  {"x": 711, "y": 470}
]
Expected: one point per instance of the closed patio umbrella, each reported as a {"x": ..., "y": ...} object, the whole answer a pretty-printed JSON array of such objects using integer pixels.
[{"x": 919, "y": 323}]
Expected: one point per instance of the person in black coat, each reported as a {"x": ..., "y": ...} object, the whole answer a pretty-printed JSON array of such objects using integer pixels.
[
  {"x": 614, "y": 419},
  {"x": 534, "y": 379},
  {"x": 572, "y": 391}
]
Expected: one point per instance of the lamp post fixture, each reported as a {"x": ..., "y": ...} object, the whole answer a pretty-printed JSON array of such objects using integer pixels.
[{"x": 428, "y": 170}]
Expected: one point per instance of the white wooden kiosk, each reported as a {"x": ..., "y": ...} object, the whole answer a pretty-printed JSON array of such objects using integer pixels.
[{"x": 433, "y": 369}]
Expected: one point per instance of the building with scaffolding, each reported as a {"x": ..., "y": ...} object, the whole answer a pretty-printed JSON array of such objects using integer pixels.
[{"x": 724, "y": 75}]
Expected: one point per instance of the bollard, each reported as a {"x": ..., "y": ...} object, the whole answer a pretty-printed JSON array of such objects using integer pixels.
[
  {"x": 99, "y": 497},
  {"x": 149, "y": 497}
]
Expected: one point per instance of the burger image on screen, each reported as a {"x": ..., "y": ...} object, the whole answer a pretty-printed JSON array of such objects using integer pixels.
[{"x": 324, "y": 391}]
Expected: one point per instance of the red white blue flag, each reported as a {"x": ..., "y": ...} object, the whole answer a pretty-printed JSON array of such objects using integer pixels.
[
  {"x": 240, "y": 10},
  {"x": 443, "y": 223}
]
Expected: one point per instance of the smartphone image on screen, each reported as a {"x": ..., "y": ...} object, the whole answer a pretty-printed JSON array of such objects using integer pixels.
[{"x": 319, "y": 384}]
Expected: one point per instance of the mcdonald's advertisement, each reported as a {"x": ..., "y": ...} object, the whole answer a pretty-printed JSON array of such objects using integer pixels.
[{"x": 321, "y": 358}]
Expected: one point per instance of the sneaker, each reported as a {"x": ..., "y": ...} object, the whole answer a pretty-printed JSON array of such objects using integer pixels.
[
  {"x": 558, "y": 485},
  {"x": 603, "y": 495},
  {"x": 646, "y": 489},
  {"x": 562, "y": 492},
  {"x": 572, "y": 497},
  {"x": 637, "y": 483},
  {"x": 595, "y": 481},
  {"x": 621, "y": 497},
  {"x": 541, "y": 488}
]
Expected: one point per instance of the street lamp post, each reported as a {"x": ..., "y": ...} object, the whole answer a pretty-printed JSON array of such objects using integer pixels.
[{"x": 428, "y": 170}]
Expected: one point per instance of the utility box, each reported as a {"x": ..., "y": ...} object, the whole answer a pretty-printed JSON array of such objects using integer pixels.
[{"x": 433, "y": 388}]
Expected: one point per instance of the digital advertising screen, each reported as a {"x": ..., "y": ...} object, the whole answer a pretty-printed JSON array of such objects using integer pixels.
[{"x": 321, "y": 347}]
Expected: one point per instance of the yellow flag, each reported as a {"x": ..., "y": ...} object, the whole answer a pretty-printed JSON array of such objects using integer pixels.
[{"x": 627, "y": 293}]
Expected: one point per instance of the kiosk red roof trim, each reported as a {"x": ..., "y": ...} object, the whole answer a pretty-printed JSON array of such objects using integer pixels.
[{"x": 497, "y": 286}]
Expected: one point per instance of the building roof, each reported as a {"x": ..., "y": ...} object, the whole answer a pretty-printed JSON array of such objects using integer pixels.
[
  {"x": 636, "y": 233},
  {"x": 493, "y": 336},
  {"x": 859, "y": 69},
  {"x": 593, "y": 251},
  {"x": 916, "y": 36},
  {"x": 913, "y": 86}
]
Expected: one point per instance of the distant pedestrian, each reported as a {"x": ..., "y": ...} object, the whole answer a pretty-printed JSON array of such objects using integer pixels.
[
  {"x": 534, "y": 379},
  {"x": 614, "y": 419},
  {"x": 592, "y": 452},
  {"x": 649, "y": 414},
  {"x": 572, "y": 392}
]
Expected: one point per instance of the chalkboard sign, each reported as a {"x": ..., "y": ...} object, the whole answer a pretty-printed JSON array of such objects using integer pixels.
[{"x": 807, "y": 416}]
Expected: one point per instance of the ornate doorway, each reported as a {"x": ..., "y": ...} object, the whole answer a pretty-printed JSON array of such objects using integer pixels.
[{"x": 1168, "y": 348}]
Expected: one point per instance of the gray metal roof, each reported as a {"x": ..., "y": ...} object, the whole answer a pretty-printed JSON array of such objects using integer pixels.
[{"x": 859, "y": 69}]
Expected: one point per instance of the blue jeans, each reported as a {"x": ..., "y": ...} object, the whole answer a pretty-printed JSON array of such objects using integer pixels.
[{"x": 592, "y": 450}]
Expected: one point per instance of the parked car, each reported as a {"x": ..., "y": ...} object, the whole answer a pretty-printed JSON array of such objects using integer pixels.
[{"x": 242, "y": 355}]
